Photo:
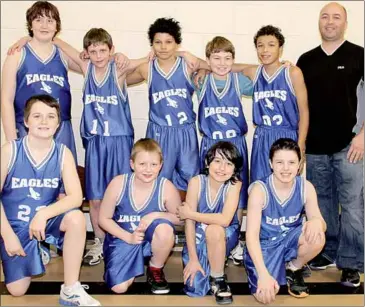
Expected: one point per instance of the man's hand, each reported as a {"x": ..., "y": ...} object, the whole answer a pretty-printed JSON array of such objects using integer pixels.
[{"x": 356, "y": 151}]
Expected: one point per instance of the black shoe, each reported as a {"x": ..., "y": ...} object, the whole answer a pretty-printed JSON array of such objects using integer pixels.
[
  {"x": 296, "y": 284},
  {"x": 157, "y": 281},
  {"x": 321, "y": 262},
  {"x": 306, "y": 271},
  {"x": 350, "y": 278},
  {"x": 221, "y": 290}
]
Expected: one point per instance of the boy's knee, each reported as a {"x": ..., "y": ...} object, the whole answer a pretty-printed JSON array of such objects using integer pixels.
[
  {"x": 121, "y": 288},
  {"x": 74, "y": 218},
  {"x": 215, "y": 233},
  {"x": 163, "y": 232},
  {"x": 317, "y": 245},
  {"x": 17, "y": 290}
]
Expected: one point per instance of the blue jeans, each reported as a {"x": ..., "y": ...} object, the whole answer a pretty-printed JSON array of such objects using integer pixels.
[{"x": 339, "y": 182}]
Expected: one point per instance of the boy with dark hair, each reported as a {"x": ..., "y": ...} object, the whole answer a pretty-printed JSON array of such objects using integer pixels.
[
  {"x": 278, "y": 243},
  {"x": 171, "y": 115},
  {"x": 212, "y": 226}
]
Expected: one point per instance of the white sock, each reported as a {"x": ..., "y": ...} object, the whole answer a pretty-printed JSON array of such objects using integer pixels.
[
  {"x": 216, "y": 274},
  {"x": 290, "y": 266},
  {"x": 68, "y": 289},
  {"x": 155, "y": 266}
]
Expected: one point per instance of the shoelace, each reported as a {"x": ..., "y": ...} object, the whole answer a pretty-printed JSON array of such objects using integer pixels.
[
  {"x": 95, "y": 249},
  {"x": 158, "y": 275}
]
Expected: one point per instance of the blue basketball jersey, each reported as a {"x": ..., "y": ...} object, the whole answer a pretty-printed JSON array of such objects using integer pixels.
[
  {"x": 36, "y": 77},
  {"x": 220, "y": 113},
  {"x": 207, "y": 205},
  {"x": 126, "y": 214},
  {"x": 280, "y": 217},
  {"x": 170, "y": 95},
  {"x": 30, "y": 186},
  {"x": 106, "y": 105},
  {"x": 274, "y": 100}
]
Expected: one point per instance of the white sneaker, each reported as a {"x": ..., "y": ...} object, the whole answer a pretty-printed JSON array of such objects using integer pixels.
[
  {"x": 45, "y": 254},
  {"x": 77, "y": 296},
  {"x": 237, "y": 253},
  {"x": 95, "y": 253}
]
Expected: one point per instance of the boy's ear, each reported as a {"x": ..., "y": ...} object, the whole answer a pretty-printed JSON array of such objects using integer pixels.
[
  {"x": 25, "y": 123},
  {"x": 112, "y": 50},
  {"x": 131, "y": 164}
]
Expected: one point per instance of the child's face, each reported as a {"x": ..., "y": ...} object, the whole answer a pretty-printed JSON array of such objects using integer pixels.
[
  {"x": 221, "y": 169},
  {"x": 164, "y": 46},
  {"x": 146, "y": 166},
  {"x": 99, "y": 54},
  {"x": 221, "y": 63},
  {"x": 44, "y": 28},
  {"x": 285, "y": 165},
  {"x": 268, "y": 49},
  {"x": 43, "y": 121}
]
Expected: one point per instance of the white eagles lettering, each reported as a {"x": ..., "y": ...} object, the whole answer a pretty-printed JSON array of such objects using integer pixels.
[
  {"x": 32, "y": 78},
  {"x": 17, "y": 183},
  {"x": 270, "y": 94},
  {"x": 209, "y": 111},
  {"x": 181, "y": 92},
  {"x": 101, "y": 99},
  {"x": 129, "y": 218},
  {"x": 282, "y": 220}
]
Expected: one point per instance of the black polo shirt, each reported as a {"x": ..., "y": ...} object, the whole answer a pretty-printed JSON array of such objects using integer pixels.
[{"x": 331, "y": 82}]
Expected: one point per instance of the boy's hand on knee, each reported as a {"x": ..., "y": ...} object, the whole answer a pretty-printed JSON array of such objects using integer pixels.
[
  {"x": 13, "y": 246},
  {"x": 183, "y": 211},
  {"x": 191, "y": 269},
  {"x": 313, "y": 229},
  {"x": 37, "y": 226},
  {"x": 137, "y": 236}
]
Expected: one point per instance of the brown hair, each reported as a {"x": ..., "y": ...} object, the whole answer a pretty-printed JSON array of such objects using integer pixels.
[
  {"x": 148, "y": 145},
  {"x": 42, "y": 8},
  {"x": 97, "y": 36},
  {"x": 218, "y": 44},
  {"x": 47, "y": 100}
]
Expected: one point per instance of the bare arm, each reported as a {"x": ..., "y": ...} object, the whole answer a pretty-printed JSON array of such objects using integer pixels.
[
  {"x": 172, "y": 202},
  {"x": 107, "y": 209},
  {"x": 230, "y": 206},
  {"x": 192, "y": 200},
  {"x": 72, "y": 54},
  {"x": 248, "y": 70},
  {"x": 6, "y": 229},
  {"x": 311, "y": 205},
  {"x": 139, "y": 75},
  {"x": 300, "y": 89},
  {"x": 256, "y": 202},
  {"x": 8, "y": 88},
  {"x": 71, "y": 181}
]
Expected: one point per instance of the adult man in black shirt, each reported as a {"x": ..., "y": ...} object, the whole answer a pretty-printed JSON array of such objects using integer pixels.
[{"x": 332, "y": 72}]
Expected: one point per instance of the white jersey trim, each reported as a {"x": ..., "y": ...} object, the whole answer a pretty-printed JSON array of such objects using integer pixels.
[
  {"x": 288, "y": 80},
  {"x": 264, "y": 189},
  {"x": 13, "y": 155},
  {"x": 122, "y": 189}
]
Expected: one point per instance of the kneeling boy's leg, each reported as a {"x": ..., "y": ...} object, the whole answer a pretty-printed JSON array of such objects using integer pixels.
[
  {"x": 19, "y": 287},
  {"x": 74, "y": 226},
  {"x": 160, "y": 233}
]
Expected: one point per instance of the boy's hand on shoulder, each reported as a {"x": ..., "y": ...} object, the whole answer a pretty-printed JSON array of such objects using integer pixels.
[
  {"x": 151, "y": 55},
  {"x": 17, "y": 46},
  {"x": 192, "y": 61},
  {"x": 121, "y": 60},
  {"x": 84, "y": 56},
  {"x": 199, "y": 78}
]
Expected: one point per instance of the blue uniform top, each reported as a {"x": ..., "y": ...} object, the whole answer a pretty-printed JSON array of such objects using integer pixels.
[
  {"x": 279, "y": 217},
  {"x": 170, "y": 95},
  {"x": 30, "y": 186},
  {"x": 36, "y": 77},
  {"x": 207, "y": 205},
  {"x": 274, "y": 100},
  {"x": 106, "y": 105},
  {"x": 126, "y": 214},
  {"x": 220, "y": 113}
]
